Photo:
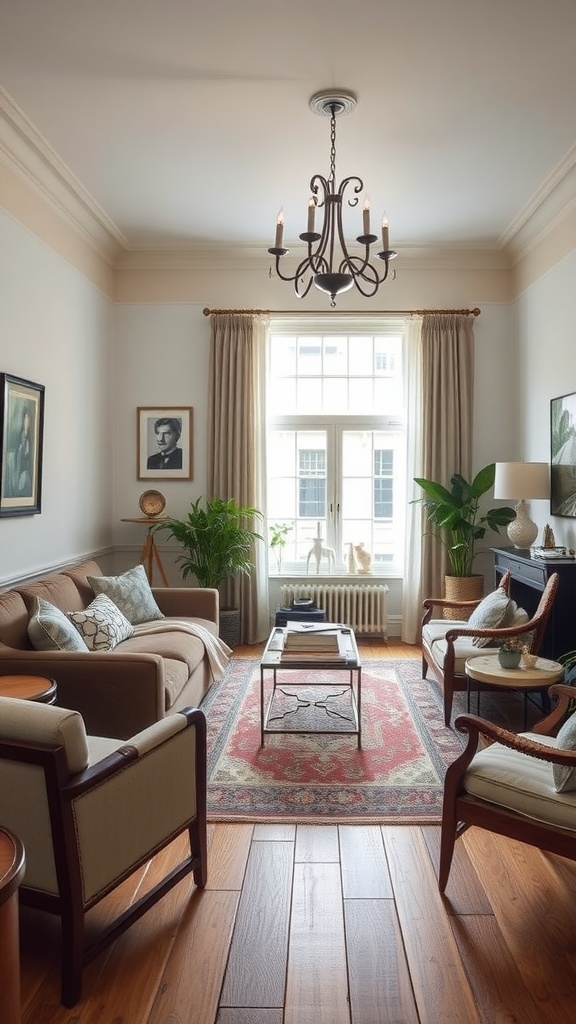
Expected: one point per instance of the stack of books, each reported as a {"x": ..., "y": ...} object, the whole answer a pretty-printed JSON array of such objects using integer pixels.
[{"x": 312, "y": 646}]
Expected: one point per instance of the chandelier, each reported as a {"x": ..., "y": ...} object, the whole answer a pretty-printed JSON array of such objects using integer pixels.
[{"x": 328, "y": 264}]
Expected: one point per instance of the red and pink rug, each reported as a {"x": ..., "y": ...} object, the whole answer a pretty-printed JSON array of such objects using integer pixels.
[{"x": 397, "y": 776}]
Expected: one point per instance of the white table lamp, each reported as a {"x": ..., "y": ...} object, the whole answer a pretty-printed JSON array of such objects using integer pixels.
[{"x": 519, "y": 481}]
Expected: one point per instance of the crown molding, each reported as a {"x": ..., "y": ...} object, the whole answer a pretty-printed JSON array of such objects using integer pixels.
[
  {"x": 553, "y": 203},
  {"x": 245, "y": 257},
  {"x": 27, "y": 153}
]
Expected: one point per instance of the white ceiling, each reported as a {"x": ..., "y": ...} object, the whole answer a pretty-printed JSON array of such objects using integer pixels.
[{"x": 188, "y": 123}]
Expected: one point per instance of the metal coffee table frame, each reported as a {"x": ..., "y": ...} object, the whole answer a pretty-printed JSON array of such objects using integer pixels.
[{"x": 272, "y": 662}]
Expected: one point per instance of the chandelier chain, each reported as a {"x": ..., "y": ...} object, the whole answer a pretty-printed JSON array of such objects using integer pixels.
[{"x": 333, "y": 147}]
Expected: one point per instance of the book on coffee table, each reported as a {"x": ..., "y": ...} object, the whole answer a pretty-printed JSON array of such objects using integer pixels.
[{"x": 320, "y": 646}]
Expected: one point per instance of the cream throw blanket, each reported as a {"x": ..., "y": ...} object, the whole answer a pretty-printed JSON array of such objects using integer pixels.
[{"x": 217, "y": 651}]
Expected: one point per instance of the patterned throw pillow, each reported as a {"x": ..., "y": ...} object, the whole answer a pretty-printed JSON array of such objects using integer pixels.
[
  {"x": 50, "y": 629},
  {"x": 130, "y": 592},
  {"x": 101, "y": 625},
  {"x": 489, "y": 614},
  {"x": 565, "y": 777}
]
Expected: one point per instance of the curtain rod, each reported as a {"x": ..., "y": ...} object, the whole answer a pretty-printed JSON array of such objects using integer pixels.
[{"x": 345, "y": 312}]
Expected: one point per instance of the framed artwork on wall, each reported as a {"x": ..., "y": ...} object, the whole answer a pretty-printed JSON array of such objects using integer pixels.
[
  {"x": 21, "y": 440},
  {"x": 165, "y": 439},
  {"x": 563, "y": 456}
]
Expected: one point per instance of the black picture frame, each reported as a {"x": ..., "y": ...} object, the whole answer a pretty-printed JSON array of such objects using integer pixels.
[
  {"x": 150, "y": 466},
  {"x": 21, "y": 445},
  {"x": 563, "y": 456}
]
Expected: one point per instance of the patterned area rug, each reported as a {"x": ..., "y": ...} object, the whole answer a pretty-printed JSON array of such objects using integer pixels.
[{"x": 397, "y": 776}]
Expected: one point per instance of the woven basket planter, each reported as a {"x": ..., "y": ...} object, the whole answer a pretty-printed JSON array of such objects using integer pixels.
[
  {"x": 229, "y": 630},
  {"x": 462, "y": 588}
]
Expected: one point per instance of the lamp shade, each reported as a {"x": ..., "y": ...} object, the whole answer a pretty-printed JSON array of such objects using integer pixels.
[{"x": 522, "y": 480}]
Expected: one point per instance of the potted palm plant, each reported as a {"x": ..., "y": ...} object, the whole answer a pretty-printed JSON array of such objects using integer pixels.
[
  {"x": 459, "y": 523},
  {"x": 218, "y": 543}
]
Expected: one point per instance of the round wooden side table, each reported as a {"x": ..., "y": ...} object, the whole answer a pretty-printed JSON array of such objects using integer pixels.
[
  {"x": 11, "y": 874},
  {"x": 486, "y": 668},
  {"x": 38, "y": 688}
]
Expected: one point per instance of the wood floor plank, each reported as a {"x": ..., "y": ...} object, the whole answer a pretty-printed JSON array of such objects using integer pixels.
[
  {"x": 250, "y": 1015},
  {"x": 535, "y": 915},
  {"x": 228, "y": 855},
  {"x": 317, "y": 843},
  {"x": 464, "y": 893},
  {"x": 279, "y": 833},
  {"x": 380, "y": 987},
  {"x": 496, "y": 981},
  {"x": 439, "y": 981},
  {"x": 317, "y": 984},
  {"x": 364, "y": 865},
  {"x": 191, "y": 983},
  {"x": 257, "y": 965}
]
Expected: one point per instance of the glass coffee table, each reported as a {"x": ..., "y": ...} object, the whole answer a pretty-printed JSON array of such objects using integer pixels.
[{"x": 328, "y": 648}]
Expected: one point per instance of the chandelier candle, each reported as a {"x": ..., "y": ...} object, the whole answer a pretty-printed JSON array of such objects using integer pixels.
[{"x": 279, "y": 230}]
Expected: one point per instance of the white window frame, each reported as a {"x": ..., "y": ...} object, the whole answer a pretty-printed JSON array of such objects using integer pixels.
[{"x": 334, "y": 425}]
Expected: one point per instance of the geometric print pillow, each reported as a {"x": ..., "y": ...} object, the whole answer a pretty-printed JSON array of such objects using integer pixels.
[
  {"x": 130, "y": 592},
  {"x": 49, "y": 629},
  {"x": 101, "y": 625}
]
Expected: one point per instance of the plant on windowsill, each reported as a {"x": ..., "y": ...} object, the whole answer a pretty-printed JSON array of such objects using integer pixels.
[
  {"x": 219, "y": 542},
  {"x": 278, "y": 539}
]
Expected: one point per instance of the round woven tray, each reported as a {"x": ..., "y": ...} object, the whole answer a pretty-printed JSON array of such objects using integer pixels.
[{"x": 152, "y": 503}]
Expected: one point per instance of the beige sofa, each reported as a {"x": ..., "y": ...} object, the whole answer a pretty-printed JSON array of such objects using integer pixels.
[{"x": 120, "y": 691}]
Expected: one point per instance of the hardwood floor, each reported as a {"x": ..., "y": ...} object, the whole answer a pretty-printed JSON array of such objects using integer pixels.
[{"x": 326, "y": 924}]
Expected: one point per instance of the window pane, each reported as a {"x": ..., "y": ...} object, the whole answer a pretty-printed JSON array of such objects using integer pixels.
[
  {"x": 335, "y": 396},
  {"x": 336, "y": 356}
]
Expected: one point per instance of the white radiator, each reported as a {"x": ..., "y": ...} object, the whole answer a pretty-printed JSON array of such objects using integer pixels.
[{"x": 363, "y": 607}]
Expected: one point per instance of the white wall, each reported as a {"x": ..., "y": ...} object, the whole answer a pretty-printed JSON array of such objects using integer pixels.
[
  {"x": 546, "y": 368},
  {"x": 55, "y": 330}
]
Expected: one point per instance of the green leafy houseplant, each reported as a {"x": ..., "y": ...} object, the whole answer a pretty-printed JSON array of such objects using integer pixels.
[
  {"x": 217, "y": 539},
  {"x": 278, "y": 536},
  {"x": 457, "y": 516}
]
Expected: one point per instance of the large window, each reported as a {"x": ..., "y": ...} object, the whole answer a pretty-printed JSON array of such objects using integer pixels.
[{"x": 336, "y": 458}]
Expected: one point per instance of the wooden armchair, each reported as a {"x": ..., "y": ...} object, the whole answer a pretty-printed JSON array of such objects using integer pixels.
[
  {"x": 508, "y": 786},
  {"x": 447, "y": 644},
  {"x": 90, "y": 811}
]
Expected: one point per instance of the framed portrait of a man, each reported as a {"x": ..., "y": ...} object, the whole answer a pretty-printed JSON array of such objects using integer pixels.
[
  {"x": 164, "y": 442},
  {"x": 21, "y": 439}
]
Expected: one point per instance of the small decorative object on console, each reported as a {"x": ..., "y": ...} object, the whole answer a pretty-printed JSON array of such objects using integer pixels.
[{"x": 152, "y": 503}]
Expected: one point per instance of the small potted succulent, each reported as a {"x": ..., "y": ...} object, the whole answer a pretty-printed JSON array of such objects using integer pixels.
[{"x": 510, "y": 652}]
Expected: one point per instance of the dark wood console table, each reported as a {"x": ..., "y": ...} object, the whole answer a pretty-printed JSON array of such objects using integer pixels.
[{"x": 528, "y": 577}]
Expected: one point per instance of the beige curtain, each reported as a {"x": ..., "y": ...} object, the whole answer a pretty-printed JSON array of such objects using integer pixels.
[
  {"x": 411, "y": 587},
  {"x": 447, "y": 409},
  {"x": 236, "y": 447},
  {"x": 439, "y": 383}
]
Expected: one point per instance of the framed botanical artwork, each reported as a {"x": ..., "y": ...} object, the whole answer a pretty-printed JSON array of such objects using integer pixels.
[
  {"x": 563, "y": 456},
  {"x": 21, "y": 439},
  {"x": 164, "y": 442}
]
